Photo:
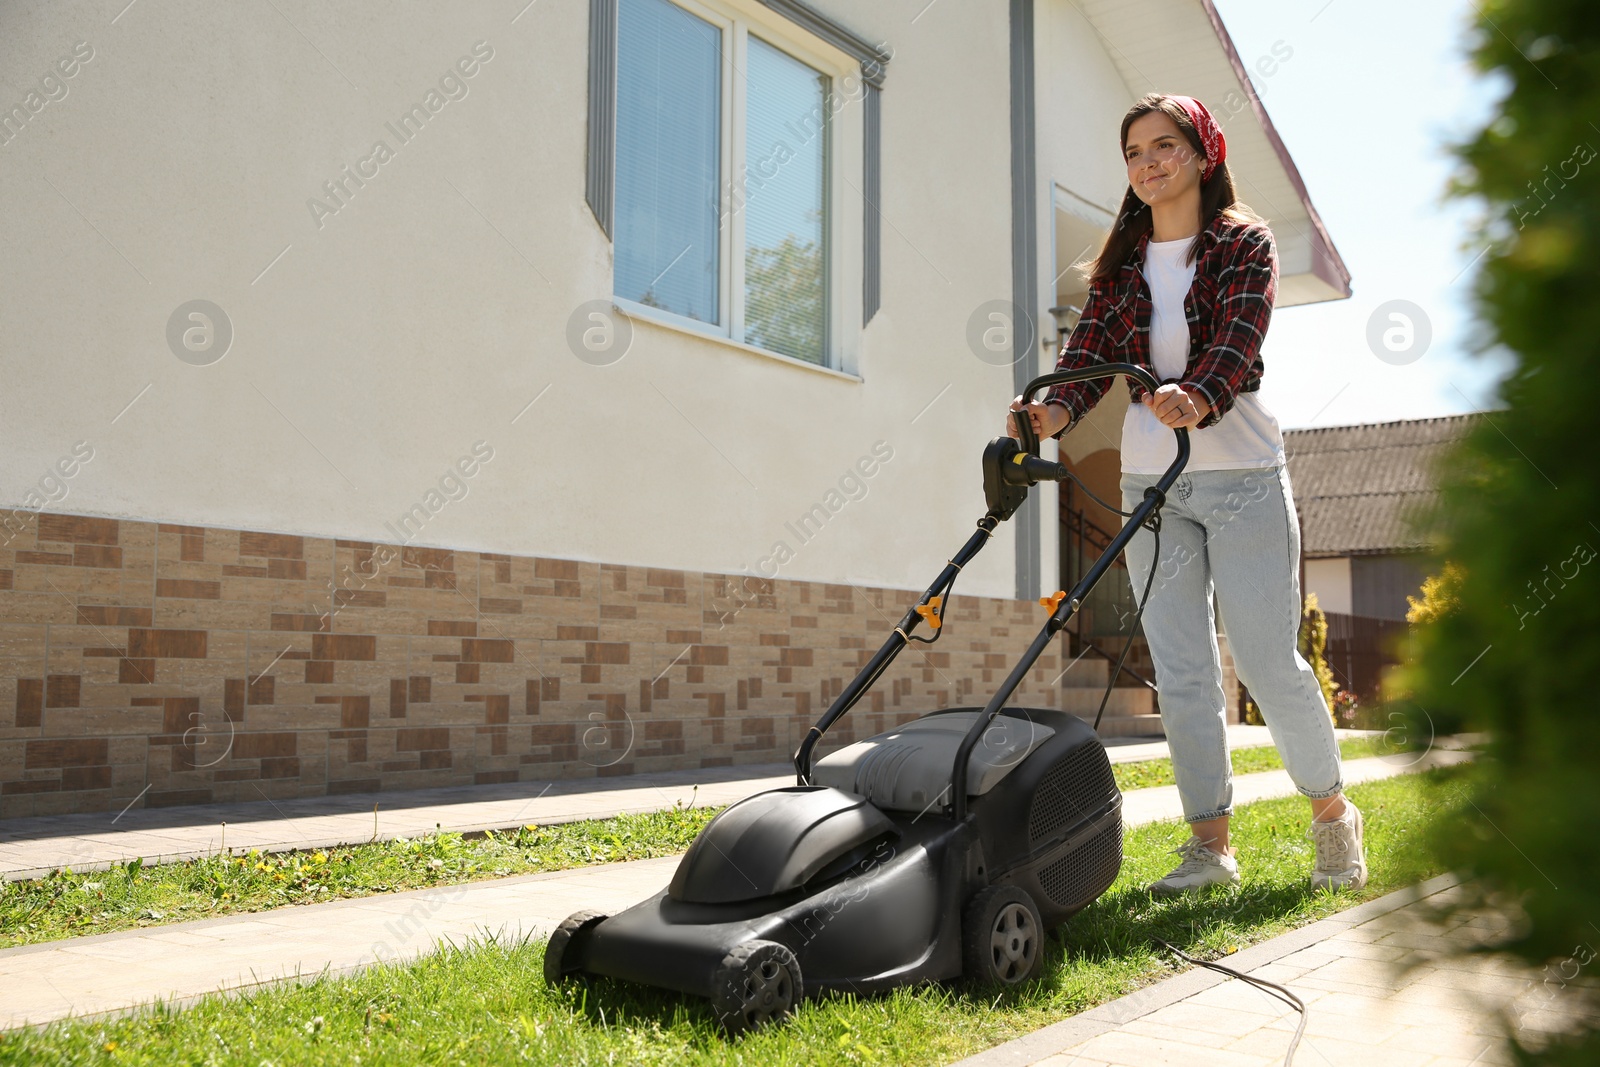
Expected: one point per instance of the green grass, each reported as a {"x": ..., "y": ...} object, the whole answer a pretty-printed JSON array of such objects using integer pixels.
[
  {"x": 73, "y": 904},
  {"x": 1147, "y": 774},
  {"x": 488, "y": 1004},
  {"x": 70, "y": 904}
]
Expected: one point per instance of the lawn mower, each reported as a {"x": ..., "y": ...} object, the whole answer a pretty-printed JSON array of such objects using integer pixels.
[{"x": 947, "y": 847}]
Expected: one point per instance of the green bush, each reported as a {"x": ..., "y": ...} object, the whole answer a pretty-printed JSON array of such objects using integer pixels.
[
  {"x": 1517, "y": 652},
  {"x": 1441, "y": 594}
]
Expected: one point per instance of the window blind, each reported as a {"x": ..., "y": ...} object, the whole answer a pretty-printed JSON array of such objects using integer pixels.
[
  {"x": 785, "y": 204},
  {"x": 668, "y": 152}
]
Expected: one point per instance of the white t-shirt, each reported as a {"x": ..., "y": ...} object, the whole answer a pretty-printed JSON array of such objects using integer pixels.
[{"x": 1247, "y": 436}]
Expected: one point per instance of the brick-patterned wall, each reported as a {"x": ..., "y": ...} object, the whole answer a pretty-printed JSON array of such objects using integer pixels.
[{"x": 164, "y": 664}]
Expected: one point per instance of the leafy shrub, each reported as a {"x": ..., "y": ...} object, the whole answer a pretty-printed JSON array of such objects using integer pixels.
[
  {"x": 1509, "y": 644},
  {"x": 1441, "y": 594}
]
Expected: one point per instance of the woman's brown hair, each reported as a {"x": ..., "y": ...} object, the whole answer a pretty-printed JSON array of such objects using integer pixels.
[{"x": 1217, "y": 196}]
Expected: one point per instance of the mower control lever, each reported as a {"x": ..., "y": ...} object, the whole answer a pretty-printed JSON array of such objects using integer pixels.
[
  {"x": 1037, "y": 470},
  {"x": 1026, "y": 438},
  {"x": 1009, "y": 468},
  {"x": 1008, "y": 471}
]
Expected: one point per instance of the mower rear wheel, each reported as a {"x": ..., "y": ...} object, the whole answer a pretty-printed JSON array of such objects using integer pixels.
[
  {"x": 1002, "y": 937},
  {"x": 560, "y": 962},
  {"x": 757, "y": 983}
]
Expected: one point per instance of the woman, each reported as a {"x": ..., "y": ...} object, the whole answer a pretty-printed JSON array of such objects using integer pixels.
[{"x": 1184, "y": 286}]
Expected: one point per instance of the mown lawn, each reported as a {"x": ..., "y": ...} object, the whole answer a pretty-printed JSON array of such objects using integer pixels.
[
  {"x": 68, "y": 904},
  {"x": 488, "y": 1003}
]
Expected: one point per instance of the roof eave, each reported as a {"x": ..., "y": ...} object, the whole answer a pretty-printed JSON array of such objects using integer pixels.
[{"x": 1326, "y": 263}]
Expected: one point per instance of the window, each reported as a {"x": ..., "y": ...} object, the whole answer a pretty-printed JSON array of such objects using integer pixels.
[
  {"x": 718, "y": 180},
  {"x": 669, "y": 151}
]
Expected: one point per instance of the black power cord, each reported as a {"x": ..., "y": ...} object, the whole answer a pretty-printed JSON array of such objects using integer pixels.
[
  {"x": 1283, "y": 993},
  {"x": 1154, "y": 525}
]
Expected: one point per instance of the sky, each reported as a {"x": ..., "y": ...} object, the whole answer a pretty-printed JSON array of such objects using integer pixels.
[{"x": 1368, "y": 102}]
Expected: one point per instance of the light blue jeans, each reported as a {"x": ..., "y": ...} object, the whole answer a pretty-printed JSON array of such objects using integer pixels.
[{"x": 1232, "y": 533}]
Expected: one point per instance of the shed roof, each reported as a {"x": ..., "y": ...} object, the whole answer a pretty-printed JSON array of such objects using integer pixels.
[{"x": 1356, "y": 486}]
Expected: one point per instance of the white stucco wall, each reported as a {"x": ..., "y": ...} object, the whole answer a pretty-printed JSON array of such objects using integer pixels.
[
  {"x": 1081, "y": 101},
  {"x": 1330, "y": 580},
  {"x": 372, "y": 351}
]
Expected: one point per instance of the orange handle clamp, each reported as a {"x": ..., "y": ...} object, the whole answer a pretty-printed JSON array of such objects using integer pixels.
[
  {"x": 930, "y": 611},
  {"x": 1054, "y": 600}
]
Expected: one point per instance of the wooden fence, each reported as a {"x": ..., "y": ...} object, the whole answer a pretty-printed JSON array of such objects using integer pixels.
[{"x": 1360, "y": 647}]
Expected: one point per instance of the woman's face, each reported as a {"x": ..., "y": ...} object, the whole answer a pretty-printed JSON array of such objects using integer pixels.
[{"x": 1161, "y": 164}]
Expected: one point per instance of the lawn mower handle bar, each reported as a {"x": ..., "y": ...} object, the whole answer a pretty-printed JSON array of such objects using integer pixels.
[{"x": 1038, "y": 469}]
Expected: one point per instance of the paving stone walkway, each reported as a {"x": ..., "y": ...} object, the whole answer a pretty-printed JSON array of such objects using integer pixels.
[
  {"x": 1383, "y": 987},
  {"x": 111, "y": 972},
  {"x": 32, "y": 847}
]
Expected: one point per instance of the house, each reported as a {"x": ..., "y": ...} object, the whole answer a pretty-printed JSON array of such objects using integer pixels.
[
  {"x": 488, "y": 393},
  {"x": 1359, "y": 492}
]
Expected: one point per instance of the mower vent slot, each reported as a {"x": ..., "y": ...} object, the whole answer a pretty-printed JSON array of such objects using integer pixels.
[
  {"x": 1076, "y": 877},
  {"x": 1074, "y": 789}
]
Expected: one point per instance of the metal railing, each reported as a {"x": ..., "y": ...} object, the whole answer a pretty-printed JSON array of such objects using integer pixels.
[{"x": 1112, "y": 599}]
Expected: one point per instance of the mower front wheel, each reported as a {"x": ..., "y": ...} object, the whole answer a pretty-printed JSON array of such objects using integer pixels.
[
  {"x": 1002, "y": 937},
  {"x": 561, "y": 954},
  {"x": 757, "y": 983}
]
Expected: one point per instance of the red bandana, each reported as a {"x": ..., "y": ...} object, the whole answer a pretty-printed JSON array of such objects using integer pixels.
[{"x": 1211, "y": 139}]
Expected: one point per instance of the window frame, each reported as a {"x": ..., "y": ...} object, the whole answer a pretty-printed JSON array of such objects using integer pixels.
[{"x": 849, "y": 145}]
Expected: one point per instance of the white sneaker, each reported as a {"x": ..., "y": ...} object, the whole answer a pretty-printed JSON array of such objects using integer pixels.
[
  {"x": 1200, "y": 867},
  {"x": 1341, "y": 861}
]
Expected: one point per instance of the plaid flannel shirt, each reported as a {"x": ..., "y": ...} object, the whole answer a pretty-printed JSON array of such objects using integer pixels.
[{"x": 1228, "y": 308}]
